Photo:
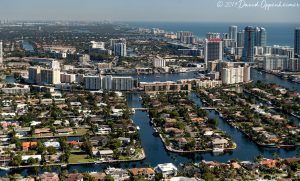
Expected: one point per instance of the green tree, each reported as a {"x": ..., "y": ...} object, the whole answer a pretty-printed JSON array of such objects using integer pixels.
[
  {"x": 16, "y": 160},
  {"x": 109, "y": 178},
  {"x": 40, "y": 148},
  {"x": 88, "y": 177},
  {"x": 51, "y": 150}
]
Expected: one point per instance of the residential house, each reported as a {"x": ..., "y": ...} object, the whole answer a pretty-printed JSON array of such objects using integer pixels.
[
  {"x": 124, "y": 141},
  {"x": 54, "y": 144},
  {"x": 103, "y": 130},
  {"x": 166, "y": 169},
  {"x": 43, "y": 132},
  {"x": 98, "y": 176},
  {"x": 48, "y": 176},
  {"x": 174, "y": 131},
  {"x": 28, "y": 145},
  {"x": 104, "y": 154},
  {"x": 26, "y": 157},
  {"x": 269, "y": 163},
  {"x": 99, "y": 140},
  {"x": 181, "y": 142},
  {"x": 64, "y": 131},
  {"x": 219, "y": 143},
  {"x": 74, "y": 177},
  {"x": 22, "y": 132},
  {"x": 147, "y": 173},
  {"x": 117, "y": 173}
]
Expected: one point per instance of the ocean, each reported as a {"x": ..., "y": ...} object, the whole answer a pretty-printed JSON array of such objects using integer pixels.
[{"x": 277, "y": 33}]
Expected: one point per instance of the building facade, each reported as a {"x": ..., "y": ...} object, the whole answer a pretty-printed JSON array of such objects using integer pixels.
[
  {"x": 213, "y": 50},
  {"x": 249, "y": 42},
  {"x": 297, "y": 41}
]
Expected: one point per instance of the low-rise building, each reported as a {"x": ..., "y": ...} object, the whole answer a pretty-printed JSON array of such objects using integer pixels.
[{"x": 166, "y": 169}]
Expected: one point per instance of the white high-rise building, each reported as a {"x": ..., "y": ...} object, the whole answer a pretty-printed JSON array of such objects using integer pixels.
[
  {"x": 55, "y": 64},
  {"x": 113, "y": 41},
  {"x": 213, "y": 49},
  {"x": 97, "y": 45},
  {"x": 275, "y": 62},
  {"x": 50, "y": 76},
  {"x": 120, "y": 49},
  {"x": 1, "y": 52},
  {"x": 159, "y": 62},
  {"x": 108, "y": 83},
  {"x": 232, "y": 75}
]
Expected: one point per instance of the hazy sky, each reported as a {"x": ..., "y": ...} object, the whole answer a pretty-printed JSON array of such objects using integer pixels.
[{"x": 146, "y": 10}]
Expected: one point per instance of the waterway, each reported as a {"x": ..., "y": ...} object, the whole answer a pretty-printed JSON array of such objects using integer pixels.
[
  {"x": 153, "y": 146},
  {"x": 27, "y": 46}
]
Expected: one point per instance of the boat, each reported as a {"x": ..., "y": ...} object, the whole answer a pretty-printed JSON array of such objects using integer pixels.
[
  {"x": 5, "y": 168},
  {"x": 156, "y": 134},
  {"x": 138, "y": 128},
  {"x": 157, "y": 76},
  {"x": 64, "y": 166},
  {"x": 218, "y": 150},
  {"x": 221, "y": 115}
]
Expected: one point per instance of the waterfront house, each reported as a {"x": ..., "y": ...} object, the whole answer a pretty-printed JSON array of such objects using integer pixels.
[
  {"x": 166, "y": 169},
  {"x": 269, "y": 163},
  {"x": 117, "y": 173},
  {"x": 124, "y": 141},
  {"x": 219, "y": 143},
  {"x": 74, "y": 177},
  {"x": 74, "y": 144},
  {"x": 103, "y": 154},
  {"x": 147, "y": 173},
  {"x": 174, "y": 131},
  {"x": 99, "y": 140},
  {"x": 98, "y": 176},
  {"x": 47, "y": 176},
  {"x": 181, "y": 142},
  {"x": 53, "y": 158},
  {"x": 22, "y": 132},
  {"x": 198, "y": 120},
  {"x": 26, "y": 157}
]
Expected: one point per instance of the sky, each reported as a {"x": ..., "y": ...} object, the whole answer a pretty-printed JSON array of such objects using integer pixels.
[{"x": 149, "y": 10}]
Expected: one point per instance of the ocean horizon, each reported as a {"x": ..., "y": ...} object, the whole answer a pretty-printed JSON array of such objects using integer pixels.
[{"x": 277, "y": 33}]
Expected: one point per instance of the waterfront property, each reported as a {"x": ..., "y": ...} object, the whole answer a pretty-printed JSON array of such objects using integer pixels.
[
  {"x": 183, "y": 127},
  {"x": 258, "y": 120}
]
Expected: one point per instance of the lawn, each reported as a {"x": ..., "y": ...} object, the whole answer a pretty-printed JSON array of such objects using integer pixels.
[{"x": 75, "y": 158}]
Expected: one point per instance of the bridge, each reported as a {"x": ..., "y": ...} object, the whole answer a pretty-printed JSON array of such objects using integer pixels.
[
  {"x": 140, "y": 109},
  {"x": 147, "y": 109},
  {"x": 208, "y": 108}
]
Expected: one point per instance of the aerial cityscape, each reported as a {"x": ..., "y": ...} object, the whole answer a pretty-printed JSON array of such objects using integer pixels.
[{"x": 128, "y": 91}]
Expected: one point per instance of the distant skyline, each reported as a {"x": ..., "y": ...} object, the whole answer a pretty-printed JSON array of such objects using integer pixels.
[{"x": 146, "y": 10}]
